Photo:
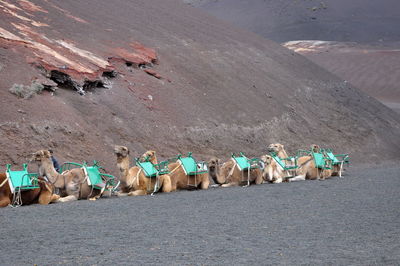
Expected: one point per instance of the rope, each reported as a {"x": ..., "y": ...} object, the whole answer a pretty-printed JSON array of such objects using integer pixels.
[
  {"x": 5, "y": 181},
  {"x": 137, "y": 176},
  {"x": 231, "y": 172},
  {"x": 156, "y": 185},
  {"x": 179, "y": 165},
  {"x": 17, "y": 198}
]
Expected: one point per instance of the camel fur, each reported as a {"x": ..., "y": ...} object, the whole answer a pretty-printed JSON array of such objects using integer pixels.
[
  {"x": 228, "y": 175},
  {"x": 133, "y": 180},
  {"x": 179, "y": 180},
  {"x": 43, "y": 195},
  {"x": 72, "y": 184},
  {"x": 307, "y": 169}
]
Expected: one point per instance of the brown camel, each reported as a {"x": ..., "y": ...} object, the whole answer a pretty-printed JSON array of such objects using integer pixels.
[
  {"x": 307, "y": 170},
  {"x": 43, "y": 195},
  {"x": 72, "y": 183},
  {"x": 133, "y": 180},
  {"x": 273, "y": 171},
  {"x": 228, "y": 174},
  {"x": 181, "y": 181}
]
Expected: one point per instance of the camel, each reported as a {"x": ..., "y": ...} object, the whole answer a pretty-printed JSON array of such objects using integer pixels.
[
  {"x": 307, "y": 170},
  {"x": 43, "y": 195},
  {"x": 179, "y": 179},
  {"x": 133, "y": 180},
  {"x": 272, "y": 172},
  {"x": 72, "y": 183},
  {"x": 228, "y": 175}
]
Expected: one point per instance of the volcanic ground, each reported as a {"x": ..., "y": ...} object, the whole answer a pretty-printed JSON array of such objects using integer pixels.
[{"x": 353, "y": 220}]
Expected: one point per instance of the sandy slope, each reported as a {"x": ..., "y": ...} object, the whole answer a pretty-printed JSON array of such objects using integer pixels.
[
  {"x": 359, "y": 39},
  {"x": 374, "y": 68}
]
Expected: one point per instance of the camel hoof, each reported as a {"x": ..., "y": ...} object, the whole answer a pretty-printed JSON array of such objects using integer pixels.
[{"x": 92, "y": 199}]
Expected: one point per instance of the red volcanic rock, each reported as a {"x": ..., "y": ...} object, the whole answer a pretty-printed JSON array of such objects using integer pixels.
[
  {"x": 52, "y": 52},
  {"x": 151, "y": 72}
]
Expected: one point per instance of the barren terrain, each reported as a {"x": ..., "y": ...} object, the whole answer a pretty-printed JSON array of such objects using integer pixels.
[
  {"x": 163, "y": 75},
  {"x": 353, "y": 220},
  {"x": 356, "y": 40}
]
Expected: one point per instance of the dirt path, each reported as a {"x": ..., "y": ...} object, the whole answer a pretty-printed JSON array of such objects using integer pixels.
[{"x": 354, "y": 220}]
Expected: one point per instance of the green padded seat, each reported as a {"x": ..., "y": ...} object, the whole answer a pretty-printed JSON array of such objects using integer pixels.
[
  {"x": 191, "y": 167},
  {"x": 321, "y": 161},
  {"x": 282, "y": 162},
  {"x": 21, "y": 180},
  {"x": 335, "y": 161},
  {"x": 242, "y": 162},
  {"x": 148, "y": 168},
  {"x": 98, "y": 179}
]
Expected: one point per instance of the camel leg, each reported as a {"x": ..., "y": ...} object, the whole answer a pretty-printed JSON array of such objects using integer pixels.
[
  {"x": 121, "y": 194},
  {"x": 45, "y": 197},
  {"x": 259, "y": 179},
  {"x": 228, "y": 185},
  {"x": 205, "y": 182},
  {"x": 95, "y": 197},
  {"x": 298, "y": 178},
  {"x": 137, "y": 193},
  {"x": 4, "y": 202},
  {"x": 54, "y": 198},
  {"x": 165, "y": 183},
  {"x": 68, "y": 198}
]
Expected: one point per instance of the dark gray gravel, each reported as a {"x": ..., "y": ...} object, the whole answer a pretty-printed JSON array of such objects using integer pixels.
[{"x": 354, "y": 220}]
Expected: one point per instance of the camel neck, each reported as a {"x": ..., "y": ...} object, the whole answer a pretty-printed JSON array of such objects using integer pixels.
[
  {"x": 47, "y": 169},
  {"x": 154, "y": 160},
  {"x": 215, "y": 175},
  {"x": 123, "y": 167}
]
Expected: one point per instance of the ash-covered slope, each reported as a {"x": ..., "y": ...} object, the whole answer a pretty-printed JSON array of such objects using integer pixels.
[
  {"x": 329, "y": 20},
  {"x": 162, "y": 75}
]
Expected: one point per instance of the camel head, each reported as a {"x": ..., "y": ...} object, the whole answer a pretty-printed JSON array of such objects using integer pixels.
[
  {"x": 277, "y": 147},
  {"x": 213, "y": 164},
  {"x": 267, "y": 160},
  {"x": 121, "y": 151},
  {"x": 315, "y": 148},
  {"x": 148, "y": 155},
  {"x": 213, "y": 168},
  {"x": 40, "y": 155}
]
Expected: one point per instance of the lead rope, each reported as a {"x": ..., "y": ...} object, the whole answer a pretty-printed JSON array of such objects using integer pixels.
[
  {"x": 156, "y": 184},
  {"x": 17, "y": 198}
]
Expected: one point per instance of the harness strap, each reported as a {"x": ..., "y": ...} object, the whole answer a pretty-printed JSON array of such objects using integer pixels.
[
  {"x": 233, "y": 169},
  {"x": 5, "y": 181},
  {"x": 137, "y": 176},
  {"x": 176, "y": 168}
]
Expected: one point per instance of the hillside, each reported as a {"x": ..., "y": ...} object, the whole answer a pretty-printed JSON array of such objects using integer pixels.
[
  {"x": 163, "y": 75},
  {"x": 356, "y": 40},
  {"x": 364, "y": 21}
]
